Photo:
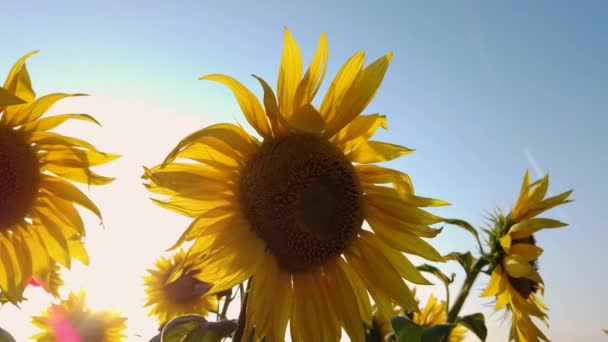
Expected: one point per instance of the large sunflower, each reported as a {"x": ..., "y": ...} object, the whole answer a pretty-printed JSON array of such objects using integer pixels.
[
  {"x": 288, "y": 211},
  {"x": 184, "y": 295},
  {"x": 72, "y": 321},
  {"x": 39, "y": 224},
  {"x": 515, "y": 280}
]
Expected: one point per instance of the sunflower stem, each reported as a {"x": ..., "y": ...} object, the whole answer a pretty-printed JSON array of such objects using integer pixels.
[
  {"x": 238, "y": 334},
  {"x": 466, "y": 289}
]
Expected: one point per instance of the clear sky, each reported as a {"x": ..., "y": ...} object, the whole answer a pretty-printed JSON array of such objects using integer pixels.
[{"x": 483, "y": 91}]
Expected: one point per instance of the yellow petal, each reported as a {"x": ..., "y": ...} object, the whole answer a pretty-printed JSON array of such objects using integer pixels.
[
  {"x": 52, "y": 236},
  {"x": 223, "y": 216},
  {"x": 373, "y": 174},
  {"x": 359, "y": 95},
  {"x": 279, "y": 314},
  {"x": 37, "y": 108},
  {"x": 343, "y": 299},
  {"x": 526, "y": 228},
  {"x": 44, "y": 139},
  {"x": 518, "y": 269},
  {"x": 51, "y": 122},
  {"x": 387, "y": 224},
  {"x": 496, "y": 284},
  {"x": 393, "y": 205},
  {"x": 290, "y": 74},
  {"x": 308, "y": 87},
  {"x": 376, "y": 151},
  {"x": 259, "y": 297},
  {"x": 340, "y": 85},
  {"x": 393, "y": 194},
  {"x": 68, "y": 192},
  {"x": 358, "y": 131},
  {"x": 307, "y": 119},
  {"x": 251, "y": 107},
  {"x": 406, "y": 269},
  {"x": 409, "y": 243},
  {"x": 215, "y": 135},
  {"x": 522, "y": 200},
  {"x": 277, "y": 121},
  {"x": 7, "y": 98},
  {"x": 525, "y": 252},
  {"x": 381, "y": 273},
  {"x": 18, "y": 79},
  {"x": 360, "y": 290},
  {"x": 310, "y": 300}
]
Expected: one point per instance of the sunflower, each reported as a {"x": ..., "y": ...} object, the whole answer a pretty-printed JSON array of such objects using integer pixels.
[
  {"x": 288, "y": 211},
  {"x": 39, "y": 224},
  {"x": 515, "y": 281},
  {"x": 184, "y": 295},
  {"x": 433, "y": 313},
  {"x": 71, "y": 320}
]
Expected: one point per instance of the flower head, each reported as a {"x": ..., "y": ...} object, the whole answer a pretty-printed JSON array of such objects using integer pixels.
[
  {"x": 72, "y": 321},
  {"x": 184, "y": 294},
  {"x": 515, "y": 281},
  {"x": 289, "y": 211},
  {"x": 39, "y": 224}
]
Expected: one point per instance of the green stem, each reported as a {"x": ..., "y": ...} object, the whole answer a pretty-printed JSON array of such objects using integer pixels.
[{"x": 465, "y": 289}]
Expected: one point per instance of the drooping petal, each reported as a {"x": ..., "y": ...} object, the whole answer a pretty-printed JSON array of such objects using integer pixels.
[
  {"x": 376, "y": 151},
  {"x": 51, "y": 122},
  {"x": 251, "y": 107}
]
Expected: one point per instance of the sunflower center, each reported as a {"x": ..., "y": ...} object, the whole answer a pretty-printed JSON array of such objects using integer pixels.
[
  {"x": 301, "y": 196},
  {"x": 19, "y": 175},
  {"x": 186, "y": 289},
  {"x": 524, "y": 286},
  {"x": 92, "y": 328}
]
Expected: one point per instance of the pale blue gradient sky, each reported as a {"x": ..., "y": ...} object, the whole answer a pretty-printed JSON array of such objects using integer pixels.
[{"x": 478, "y": 88}]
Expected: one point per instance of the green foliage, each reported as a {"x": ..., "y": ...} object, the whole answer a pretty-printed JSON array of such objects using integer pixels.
[
  {"x": 476, "y": 324},
  {"x": 195, "y": 328},
  {"x": 466, "y": 260},
  {"x": 464, "y": 225},
  {"x": 437, "y": 273},
  {"x": 408, "y": 331},
  {"x": 5, "y": 336}
]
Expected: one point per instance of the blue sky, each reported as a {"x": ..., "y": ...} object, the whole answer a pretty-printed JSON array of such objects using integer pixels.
[{"x": 483, "y": 91}]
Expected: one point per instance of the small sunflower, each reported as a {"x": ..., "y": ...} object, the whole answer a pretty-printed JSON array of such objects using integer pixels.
[
  {"x": 39, "y": 224},
  {"x": 181, "y": 296},
  {"x": 433, "y": 313},
  {"x": 515, "y": 280},
  {"x": 288, "y": 211},
  {"x": 72, "y": 320}
]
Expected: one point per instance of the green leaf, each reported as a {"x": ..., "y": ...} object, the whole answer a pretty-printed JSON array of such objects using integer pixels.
[
  {"x": 211, "y": 331},
  {"x": 179, "y": 327},
  {"x": 466, "y": 260},
  {"x": 476, "y": 324},
  {"x": 406, "y": 330},
  {"x": 436, "y": 272},
  {"x": 437, "y": 333},
  {"x": 464, "y": 225},
  {"x": 5, "y": 336}
]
